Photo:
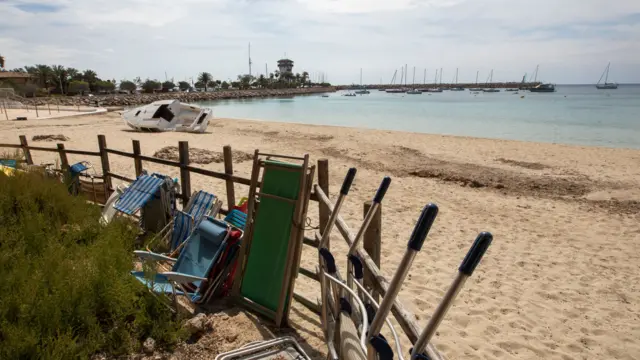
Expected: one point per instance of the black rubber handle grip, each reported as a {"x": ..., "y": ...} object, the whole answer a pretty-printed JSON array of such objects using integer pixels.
[
  {"x": 358, "y": 273},
  {"x": 479, "y": 247},
  {"x": 348, "y": 180},
  {"x": 382, "y": 190},
  {"x": 329, "y": 261},
  {"x": 420, "y": 231}
]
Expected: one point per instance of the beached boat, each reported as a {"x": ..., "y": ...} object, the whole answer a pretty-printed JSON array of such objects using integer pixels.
[
  {"x": 168, "y": 115},
  {"x": 607, "y": 85},
  {"x": 543, "y": 88}
]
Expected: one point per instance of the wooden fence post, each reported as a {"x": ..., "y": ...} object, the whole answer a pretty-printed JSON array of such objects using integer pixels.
[
  {"x": 25, "y": 150},
  {"x": 104, "y": 159},
  {"x": 137, "y": 162},
  {"x": 185, "y": 175},
  {"x": 372, "y": 242},
  {"x": 228, "y": 169},
  {"x": 323, "y": 182},
  {"x": 64, "y": 162}
]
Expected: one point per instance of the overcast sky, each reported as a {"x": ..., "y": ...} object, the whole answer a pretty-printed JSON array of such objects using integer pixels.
[{"x": 572, "y": 40}]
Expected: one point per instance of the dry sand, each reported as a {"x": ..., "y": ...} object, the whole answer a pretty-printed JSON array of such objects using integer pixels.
[{"x": 561, "y": 278}]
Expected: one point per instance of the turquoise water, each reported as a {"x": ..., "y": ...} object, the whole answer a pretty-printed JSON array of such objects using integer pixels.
[{"x": 573, "y": 115}]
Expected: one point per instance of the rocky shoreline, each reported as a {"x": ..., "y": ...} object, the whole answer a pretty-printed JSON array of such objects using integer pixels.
[{"x": 136, "y": 99}]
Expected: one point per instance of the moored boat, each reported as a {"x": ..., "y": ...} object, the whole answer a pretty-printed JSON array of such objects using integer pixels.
[
  {"x": 543, "y": 88},
  {"x": 606, "y": 85}
]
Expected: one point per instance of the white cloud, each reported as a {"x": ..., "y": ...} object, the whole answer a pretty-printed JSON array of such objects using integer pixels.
[{"x": 571, "y": 39}]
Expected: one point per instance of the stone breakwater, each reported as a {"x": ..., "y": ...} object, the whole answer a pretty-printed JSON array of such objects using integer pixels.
[{"x": 137, "y": 99}]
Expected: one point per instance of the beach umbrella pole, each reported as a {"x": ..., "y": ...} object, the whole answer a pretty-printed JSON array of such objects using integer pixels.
[
  {"x": 465, "y": 270},
  {"x": 376, "y": 342}
]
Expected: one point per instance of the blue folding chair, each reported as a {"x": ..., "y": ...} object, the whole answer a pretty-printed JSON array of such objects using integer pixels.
[
  {"x": 236, "y": 218},
  {"x": 190, "y": 271},
  {"x": 200, "y": 205}
]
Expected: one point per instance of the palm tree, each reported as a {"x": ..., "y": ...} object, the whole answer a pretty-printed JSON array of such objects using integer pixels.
[
  {"x": 205, "y": 78},
  {"x": 74, "y": 74},
  {"x": 1, "y": 62},
  {"x": 91, "y": 77},
  {"x": 44, "y": 75},
  {"x": 305, "y": 77},
  {"x": 60, "y": 74}
]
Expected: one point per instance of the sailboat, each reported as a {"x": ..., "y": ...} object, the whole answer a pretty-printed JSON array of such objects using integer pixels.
[
  {"x": 414, "y": 91},
  {"x": 607, "y": 85},
  {"x": 435, "y": 88},
  {"x": 362, "y": 90},
  {"x": 457, "y": 88},
  {"x": 475, "y": 89},
  {"x": 490, "y": 90}
]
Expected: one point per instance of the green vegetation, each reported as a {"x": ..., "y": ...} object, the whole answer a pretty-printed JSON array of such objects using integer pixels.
[
  {"x": 168, "y": 85},
  {"x": 65, "y": 287},
  {"x": 150, "y": 86},
  {"x": 205, "y": 78},
  {"x": 128, "y": 85}
]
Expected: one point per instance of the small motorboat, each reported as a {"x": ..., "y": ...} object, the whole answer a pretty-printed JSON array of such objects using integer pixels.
[
  {"x": 544, "y": 88},
  {"x": 168, "y": 115}
]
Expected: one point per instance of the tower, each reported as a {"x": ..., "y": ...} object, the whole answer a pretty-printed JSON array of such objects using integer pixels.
[{"x": 285, "y": 66}]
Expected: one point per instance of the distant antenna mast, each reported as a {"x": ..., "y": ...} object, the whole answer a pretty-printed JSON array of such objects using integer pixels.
[{"x": 249, "y": 59}]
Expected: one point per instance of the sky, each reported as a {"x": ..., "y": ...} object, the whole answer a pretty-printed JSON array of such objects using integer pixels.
[{"x": 571, "y": 40}]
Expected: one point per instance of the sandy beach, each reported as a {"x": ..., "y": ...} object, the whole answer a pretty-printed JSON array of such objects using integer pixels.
[{"x": 560, "y": 280}]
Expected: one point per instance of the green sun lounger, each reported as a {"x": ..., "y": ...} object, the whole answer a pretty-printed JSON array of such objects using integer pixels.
[{"x": 271, "y": 256}]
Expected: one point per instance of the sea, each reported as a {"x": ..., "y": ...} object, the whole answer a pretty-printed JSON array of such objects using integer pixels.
[{"x": 574, "y": 114}]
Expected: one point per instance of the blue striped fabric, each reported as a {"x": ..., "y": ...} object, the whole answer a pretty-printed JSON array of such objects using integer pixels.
[
  {"x": 183, "y": 223},
  {"x": 138, "y": 194},
  {"x": 202, "y": 202}
]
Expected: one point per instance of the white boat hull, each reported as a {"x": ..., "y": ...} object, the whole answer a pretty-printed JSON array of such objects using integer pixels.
[{"x": 168, "y": 115}]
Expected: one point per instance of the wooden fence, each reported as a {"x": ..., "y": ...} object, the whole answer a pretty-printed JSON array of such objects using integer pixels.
[{"x": 372, "y": 239}]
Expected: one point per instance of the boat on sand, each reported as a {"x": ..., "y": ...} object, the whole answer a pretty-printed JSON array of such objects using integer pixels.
[{"x": 168, "y": 115}]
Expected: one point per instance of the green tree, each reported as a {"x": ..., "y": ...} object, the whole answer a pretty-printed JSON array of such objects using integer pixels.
[
  {"x": 205, "y": 78},
  {"x": 1, "y": 62},
  {"x": 91, "y": 77},
  {"x": 78, "y": 87},
  {"x": 198, "y": 85},
  {"x": 168, "y": 85},
  {"x": 128, "y": 86},
  {"x": 184, "y": 86},
  {"x": 305, "y": 78},
  {"x": 224, "y": 85},
  {"x": 102, "y": 85},
  {"x": 262, "y": 81},
  {"x": 244, "y": 82},
  {"x": 61, "y": 77},
  {"x": 44, "y": 75},
  {"x": 74, "y": 74},
  {"x": 235, "y": 84},
  {"x": 213, "y": 84},
  {"x": 150, "y": 86}
]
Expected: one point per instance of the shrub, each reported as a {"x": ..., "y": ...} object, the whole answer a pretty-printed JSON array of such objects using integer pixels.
[{"x": 65, "y": 287}]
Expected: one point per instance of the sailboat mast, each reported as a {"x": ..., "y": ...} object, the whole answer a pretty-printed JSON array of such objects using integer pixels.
[
  {"x": 456, "y": 76},
  {"x": 435, "y": 79},
  {"x": 406, "y": 71},
  {"x": 401, "y": 76},
  {"x": 440, "y": 76},
  {"x": 360, "y": 77},
  {"x": 477, "y": 73},
  {"x": 606, "y": 78},
  {"x": 414, "y": 76},
  {"x": 535, "y": 76},
  {"x": 424, "y": 81},
  {"x": 249, "y": 59}
]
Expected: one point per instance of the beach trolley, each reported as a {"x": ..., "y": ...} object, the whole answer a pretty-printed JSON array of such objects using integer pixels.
[
  {"x": 269, "y": 257},
  {"x": 351, "y": 318}
]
